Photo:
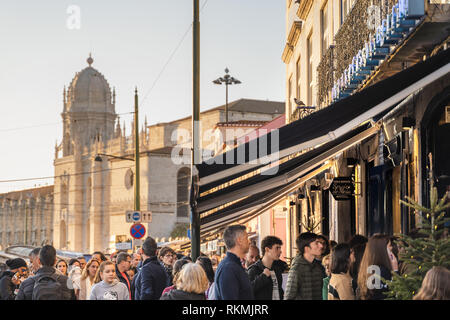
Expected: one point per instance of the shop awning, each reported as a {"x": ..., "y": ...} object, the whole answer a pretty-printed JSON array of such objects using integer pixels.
[
  {"x": 228, "y": 192},
  {"x": 259, "y": 193}
]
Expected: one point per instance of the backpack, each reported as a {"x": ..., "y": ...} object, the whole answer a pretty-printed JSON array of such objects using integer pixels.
[{"x": 47, "y": 287}]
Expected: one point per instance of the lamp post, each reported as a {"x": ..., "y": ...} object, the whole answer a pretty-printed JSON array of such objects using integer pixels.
[
  {"x": 228, "y": 80},
  {"x": 195, "y": 153}
]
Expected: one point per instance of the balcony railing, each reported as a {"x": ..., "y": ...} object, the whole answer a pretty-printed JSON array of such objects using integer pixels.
[{"x": 351, "y": 37}]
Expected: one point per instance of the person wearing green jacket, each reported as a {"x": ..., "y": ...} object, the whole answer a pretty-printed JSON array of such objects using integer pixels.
[{"x": 305, "y": 278}]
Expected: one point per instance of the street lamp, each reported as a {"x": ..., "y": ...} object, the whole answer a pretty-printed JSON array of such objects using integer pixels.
[{"x": 228, "y": 80}]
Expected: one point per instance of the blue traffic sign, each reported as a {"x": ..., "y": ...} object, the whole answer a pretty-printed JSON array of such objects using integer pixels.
[
  {"x": 137, "y": 231},
  {"x": 136, "y": 216}
]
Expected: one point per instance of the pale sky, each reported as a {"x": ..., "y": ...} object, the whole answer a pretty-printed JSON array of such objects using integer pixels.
[{"x": 130, "y": 41}]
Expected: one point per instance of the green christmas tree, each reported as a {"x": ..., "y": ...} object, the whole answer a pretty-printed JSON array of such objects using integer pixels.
[{"x": 420, "y": 255}]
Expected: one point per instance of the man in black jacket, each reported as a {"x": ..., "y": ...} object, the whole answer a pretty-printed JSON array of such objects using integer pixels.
[
  {"x": 151, "y": 281},
  {"x": 266, "y": 275},
  {"x": 231, "y": 280},
  {"x": 47, "y": 257}
]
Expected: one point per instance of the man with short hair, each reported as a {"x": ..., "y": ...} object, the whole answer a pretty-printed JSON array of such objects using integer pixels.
[
  {"x": 305, "y": 279},
  {"x": 34, "y": 260},
  {"x": 252, "y": 255},
  {"x": 46, "y": 284},
  {"x": 99, "y": 256},
  {"x": 123, "y": 262},
  {"x": 135, "y": 259},
  {"x": 151, "y": 281},
  {"x": 266, "y": 276},
  {"x": 231, "y": 280},
  {"x": 82, "y": 261}
]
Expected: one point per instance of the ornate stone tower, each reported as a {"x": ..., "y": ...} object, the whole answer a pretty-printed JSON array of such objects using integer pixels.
[
  {"x": 81, "y": 198},
  {"x": 89, "y": 110}
]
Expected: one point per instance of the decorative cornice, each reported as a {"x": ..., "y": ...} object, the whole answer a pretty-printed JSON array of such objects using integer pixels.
[
  {"x": 303, "y": 8},
  {"x": 292, "y": 40},
  {"x": 287, "y": 53},
  {"x": 294, "y": 33}
]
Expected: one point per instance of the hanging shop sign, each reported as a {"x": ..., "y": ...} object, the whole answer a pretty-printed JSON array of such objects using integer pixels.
[
  {"x": 395, "y": 27},
  {"x": 342, "y": 188}
]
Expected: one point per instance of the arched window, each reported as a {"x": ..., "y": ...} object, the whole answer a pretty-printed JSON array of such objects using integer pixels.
[{"x": 183, "y": 178}]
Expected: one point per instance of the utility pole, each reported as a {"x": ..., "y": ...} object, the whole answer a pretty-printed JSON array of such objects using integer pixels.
[
  {"x": 137, "y": 196},
  {"x": 137, "y": 202},
  {"x": 195, "y": 217}
]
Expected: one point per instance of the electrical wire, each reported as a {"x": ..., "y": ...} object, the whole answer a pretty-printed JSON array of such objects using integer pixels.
[{"x": 171, "y": 56}]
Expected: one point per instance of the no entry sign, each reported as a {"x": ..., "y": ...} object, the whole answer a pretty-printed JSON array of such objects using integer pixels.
[{"x": 137, "y": 231}]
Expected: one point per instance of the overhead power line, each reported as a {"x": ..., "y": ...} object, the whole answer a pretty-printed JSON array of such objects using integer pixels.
[{"x": 171, "y": 56}]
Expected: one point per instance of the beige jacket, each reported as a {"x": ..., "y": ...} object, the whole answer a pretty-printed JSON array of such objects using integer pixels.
[
  {"x": 342, "y": 285},
  {"x": 85, "y": 289}
]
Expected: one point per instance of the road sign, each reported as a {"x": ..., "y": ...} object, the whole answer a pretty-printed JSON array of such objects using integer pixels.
[
  {"x": 123, "y": 245},
  {"x": 342, "y": 188},
  {"x": 138, "y": 216},
  {"x": 137, "y": 231}
]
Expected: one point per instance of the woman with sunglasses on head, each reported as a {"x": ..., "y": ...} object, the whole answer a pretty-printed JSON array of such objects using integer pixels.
[{"x": 11, "y": 279}]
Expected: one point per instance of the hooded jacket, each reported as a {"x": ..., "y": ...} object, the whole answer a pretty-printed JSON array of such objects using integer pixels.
[
  {"x": 105, "y": 291},
  {"x": 176, "y": 294},
  {"x": 26, "y": 287},
  {"x": 262, "y": 285},
  {"x": 305, "y": 280},
  {"x": 7, "y": 288},
  {"x": 150, "y": 282}
]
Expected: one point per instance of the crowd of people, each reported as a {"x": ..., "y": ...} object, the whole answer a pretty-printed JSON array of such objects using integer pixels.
[{"x": 322, "y": 270}]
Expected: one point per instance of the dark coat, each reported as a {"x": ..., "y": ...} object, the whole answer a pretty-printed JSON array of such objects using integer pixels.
[
  {"x": 26, "y": 287},
  {"x": 232, "y": 282},
  {"x": 168, "y": 271},
  {"x": 150, "y": 281},
  {"x": 378, "y": 294},
  {"x": 182, "y": 295},
  {"x": 7, "y": 288},
  {"x": 305, "y": 280},
  {"x": 262, "y": 285},
  {"x": 124, "y": 281}
]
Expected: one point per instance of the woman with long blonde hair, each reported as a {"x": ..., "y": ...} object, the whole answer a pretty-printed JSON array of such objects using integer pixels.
[
  {"x": 191, "y": 284},
  {"x": 87, "y": 279},
  {"x": 435, "y": 285},
  {"x": 377, "y": 262}
]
